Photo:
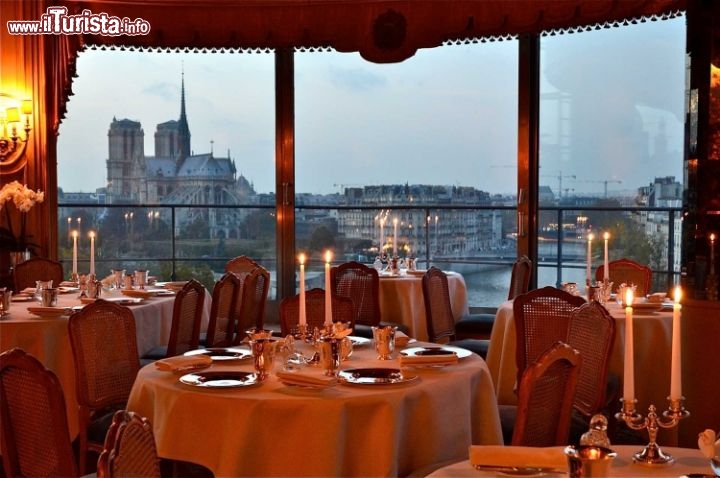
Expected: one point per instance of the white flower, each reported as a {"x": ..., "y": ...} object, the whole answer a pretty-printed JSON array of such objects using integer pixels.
[
  {"x": 23, "y": 197},
  {"x": 708, "y": 443}
]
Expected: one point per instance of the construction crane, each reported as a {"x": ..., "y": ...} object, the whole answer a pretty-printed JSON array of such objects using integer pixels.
[
  {"x": 559, "y": 176},
  {"x": 605, "y": 183}
]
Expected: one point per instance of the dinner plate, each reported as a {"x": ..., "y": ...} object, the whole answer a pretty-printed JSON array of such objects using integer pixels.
[
  {"x": 417, "y": 272},
  {"x": 143, "y": 294},
  {"x": 436, "y": 350},
  {"x": 123, "y": 300},
  {"x": 22, "y": 298},
  {"x": 48, "y": 312},
  {"x": 221, "y": 379},
  {"x": 646, "y": 308},
  {"x": 359, "y": 341},
  {"x": 375, "y": 376},
  {"x": 161, "y": 292},
  {"x": 516, "y": 470},
  {"x": 222, "y": 353}
]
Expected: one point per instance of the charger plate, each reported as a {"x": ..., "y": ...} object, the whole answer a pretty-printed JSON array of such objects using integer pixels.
[
  {"x": 436, "y": 350},
  {"x": 222, "y": 353},
  {"x": 375, "y": 376},
  {"x": 221, "y": 379},
  {"x": 48, "y": 312}
]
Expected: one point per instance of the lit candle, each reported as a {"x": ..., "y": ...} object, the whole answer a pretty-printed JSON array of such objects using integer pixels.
[
  {"x": 328, "y": 296},
  {"x": 712, "y": 254},
  {"x": 92, "y": 252},
  {"x": 382, "y": 233},
  {"x": 675, "y": 363},
  {"x": 606, "y": 268},
  {"x": 395, "y": 223},
  {"x": 303, "y": 315},
  {"x": 74, "y": 257},
  {"x": 588, "y": 279},
  {"x": 629, "y": 372}
]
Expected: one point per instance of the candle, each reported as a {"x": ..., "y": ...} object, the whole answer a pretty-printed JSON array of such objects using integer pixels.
[
  {"x": 382, "y": 234},
  {"x": 395, "y": 223},
  {"x": 712, "y": 254},
  {"x": 74, "y": 256},
  {"x": 92, "y": 252},
  {"x": 628, "y": 372},
  {"x": 675, "y": 363},
  {"x": 588, "y": 279},
  {"x": 328, "y": 296},
  {"x": 606, "y": 268},
  {"x": 303, "y": 314}
]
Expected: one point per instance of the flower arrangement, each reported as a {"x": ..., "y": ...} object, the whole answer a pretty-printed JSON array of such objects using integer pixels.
[{"x": 24, "y": 199}]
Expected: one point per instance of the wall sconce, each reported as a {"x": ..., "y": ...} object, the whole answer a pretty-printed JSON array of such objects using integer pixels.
[{"x": 12, "y": 146}]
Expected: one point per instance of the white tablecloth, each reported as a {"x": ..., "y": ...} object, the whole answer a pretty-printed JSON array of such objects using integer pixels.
[
  {"x": 47, "y": 338},
  {"x": 688, "y": 461},
  {"x": 277, "y": 430},
  {"x": 401, "y": 301},
  {"x": 652, "y": 343}
]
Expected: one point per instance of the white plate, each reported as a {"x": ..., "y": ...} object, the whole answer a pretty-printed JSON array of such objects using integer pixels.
[
  {"x": 221, "y": 379},
  {"x": 436, "y": 350},
  {"x": 48, "y": 312},
  {"x": 359, "y": 341},
  {"x": 222, "y": 353},
  {"x": 123, "y": 300},
  {"x": 375, "y": 376}
]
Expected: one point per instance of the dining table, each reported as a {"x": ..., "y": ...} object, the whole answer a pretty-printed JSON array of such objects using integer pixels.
[
  {"x": 270, "y": 428},
  {"x": 46, "y": 336},
  {"x": 401, "y": 300},
  {"x": 652, "y": 330},
  {"x": 688, "y": 462}
]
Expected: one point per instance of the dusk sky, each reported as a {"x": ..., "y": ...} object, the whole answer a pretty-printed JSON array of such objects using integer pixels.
[{"x": 445, "y": 116}]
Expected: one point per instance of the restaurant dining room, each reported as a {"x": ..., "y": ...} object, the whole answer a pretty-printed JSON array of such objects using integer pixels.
[{"x": 365, "y": 238}]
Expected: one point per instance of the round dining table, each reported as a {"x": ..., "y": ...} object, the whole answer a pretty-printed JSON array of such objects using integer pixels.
[
  {"x": 273, "y": 429},
  {"x": 688, "y": 462}
]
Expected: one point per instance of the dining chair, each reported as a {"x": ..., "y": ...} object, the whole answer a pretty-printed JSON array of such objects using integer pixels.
[
  {"x": 342, "y": 310},
  {"x": 26, "y": 273},
  {"x": 438, "y": 314},
  {"x": 241, "y": 264},
  {"x": 545, "y": 401},
  {"x": 542, "y": 317},
  {"x": 250, "y": 302},
  {"x": 185, "y": 327},
  {"x": 105, "y": 356},
  {"x": 627, "y": 271},
  {"x": 129, "y": 449},
  {"x": 479, "y": 325},
  {"x": 35, "y": 437},
  {"x": 221, "y": 324},
  {"x": 361, "y": 284}
]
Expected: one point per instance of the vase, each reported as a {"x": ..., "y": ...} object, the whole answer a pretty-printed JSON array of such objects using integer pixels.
[{"x": 16, "y": 257}]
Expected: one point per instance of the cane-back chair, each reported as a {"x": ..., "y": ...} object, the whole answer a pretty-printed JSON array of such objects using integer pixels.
[
  {"x": 129, "y": 449},
  {"x": 241, "y": 264},
  {"x": 342, "y": 310},
  {"x": 26, "y": 273},
  {"x": 627, "y": 271},
  {"x": 250, "y": 303},
  {"x": 221, "y": 325}
]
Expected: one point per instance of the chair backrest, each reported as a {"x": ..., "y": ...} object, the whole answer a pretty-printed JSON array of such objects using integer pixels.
[
  {"x": 361, "y": 284},
  {"x": 342, "y": 310},
  {"x": 629, "y": 272},
  {"x": 438, "y": 310},
  {"x": 520, "y": 277},
  {"x": 221, "y": 325},
  {"x": 542, "y": 317},
  {"x": 34, "y": 269},
  {"x": 255, "y": 288},
  {"x": 130, "y": 449},
  {"x": 187, "y": 316},
  {"x": 545, "y": 401},
  {"x": 33, "y": 425},
  {"x": 241, "y": 264},
  {"x": 592, "y": 333}
]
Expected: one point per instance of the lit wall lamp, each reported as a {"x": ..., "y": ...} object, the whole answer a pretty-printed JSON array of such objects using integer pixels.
[{"x": 12, "y": 146}]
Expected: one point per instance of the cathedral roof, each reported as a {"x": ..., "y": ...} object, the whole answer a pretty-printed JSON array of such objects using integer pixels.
[{"x": 206, "y": 165}]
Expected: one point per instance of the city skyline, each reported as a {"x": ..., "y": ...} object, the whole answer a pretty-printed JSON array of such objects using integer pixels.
[{"x": 359, "y": 123}]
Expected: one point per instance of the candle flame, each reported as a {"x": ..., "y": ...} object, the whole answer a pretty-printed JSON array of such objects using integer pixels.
[
  {"x": 328, "y": 256},
  {"x": 712, "y": 237},
  {"x": 301, "y": 259},
  {"x": 678, "y": 294},
  {"x": 591, "y": 236},
  {"x": 628, "y": 297},
  {"x": 92, "y": 234},
  {"x": 75, "y": 234},
  {"x": 395, "y": 221},
  {"x": 606, "y": 236}
]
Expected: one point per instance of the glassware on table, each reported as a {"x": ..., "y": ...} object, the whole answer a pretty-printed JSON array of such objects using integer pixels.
[
  {"x": 715, "y": 464},
  {"x": 384, "y": 338},
  {"x": 329, "y": 355},
  {"x": 256, "y": 334},
  {"x": 48, "y": 297},
  {"x": 141, "y": 278},
  {"x": 263, "y": 351},
  {"x": 570, "y": 287},
  {"x": 117, "y": 275},
  {"x": 5, "y": 297},
  {"x": 39, "y": 286}
]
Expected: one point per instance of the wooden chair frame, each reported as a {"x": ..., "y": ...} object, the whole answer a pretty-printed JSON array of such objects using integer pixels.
[
  {"x": 629, "y": 272},
  {"x": 34, "y": 269}
]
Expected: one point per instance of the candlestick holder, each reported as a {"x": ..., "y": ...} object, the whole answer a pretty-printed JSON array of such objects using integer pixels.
[
  {"x": 302, "y": 333},
  {"x": 652, "y": 455}
]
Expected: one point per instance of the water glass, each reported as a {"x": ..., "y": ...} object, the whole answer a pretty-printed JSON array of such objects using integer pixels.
[
  {"x": 384, "y": 338},
  {"x": 263, "y": 351},
  {"x": 48, "y": 297},
  {"x": 39, "y": 286},
  {"x": 329, "y": 355},
  {"x": 5, "y": 296},
  {"x": 141, "y": 278},
  {"x": 118, "y": 275}
]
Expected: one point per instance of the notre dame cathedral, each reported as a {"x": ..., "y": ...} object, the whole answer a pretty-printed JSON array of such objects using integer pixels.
[{"x": 175, "y": 175}]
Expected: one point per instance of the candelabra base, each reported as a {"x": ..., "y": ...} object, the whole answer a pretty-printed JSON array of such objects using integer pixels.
[{"x": 652, "y": 455}]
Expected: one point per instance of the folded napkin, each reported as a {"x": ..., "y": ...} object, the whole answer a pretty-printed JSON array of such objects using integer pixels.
[
  {"x": 401, "y": 339},
  {"x": 306, "y": 379},
  {"x": 709, "y": 443},
  {"x": 444, "y": 359},
  {"x": 183, "y": 363},
  {"x": 518, "y": 456}
]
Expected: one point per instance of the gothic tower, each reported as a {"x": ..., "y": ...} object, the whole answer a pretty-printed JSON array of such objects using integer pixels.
[{"x": 126, "y": 156}]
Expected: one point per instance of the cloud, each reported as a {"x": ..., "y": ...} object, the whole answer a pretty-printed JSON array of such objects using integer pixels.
[
  {"x": 165, "y": 90},
  {"x": 356, "y": 79}
]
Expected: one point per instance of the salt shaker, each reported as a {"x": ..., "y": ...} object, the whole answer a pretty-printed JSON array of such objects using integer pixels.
[{"x": 597, "y": 434}]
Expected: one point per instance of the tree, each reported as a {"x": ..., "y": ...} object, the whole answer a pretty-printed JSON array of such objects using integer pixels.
[{"x": 322, "y": 238}]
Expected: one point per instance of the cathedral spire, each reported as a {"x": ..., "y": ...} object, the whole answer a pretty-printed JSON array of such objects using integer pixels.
[{"x": 183, "y": 128}]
